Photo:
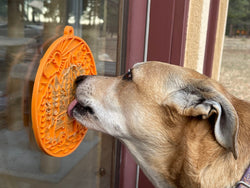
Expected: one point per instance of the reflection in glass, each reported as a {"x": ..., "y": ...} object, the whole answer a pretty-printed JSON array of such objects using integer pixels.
[{"x": 27, "y": 28}]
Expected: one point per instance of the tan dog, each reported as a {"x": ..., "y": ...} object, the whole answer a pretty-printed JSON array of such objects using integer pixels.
[{"x": 184, "y": 129}]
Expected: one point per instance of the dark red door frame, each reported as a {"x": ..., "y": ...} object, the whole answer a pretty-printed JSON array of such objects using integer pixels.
[
  {"x": 136, "y": 32},
  {"x": 137, "y": 13},
  {"x": 161, "y": 24},
  {"x": 181, "y": 9},
  {"x": 166, "y": 42},
  {"x": 167, "y": 33},
  {"x": 211, "y": 37}
]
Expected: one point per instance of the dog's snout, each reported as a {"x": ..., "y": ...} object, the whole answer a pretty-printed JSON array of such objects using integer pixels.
[{"x": 80, "y": 79}]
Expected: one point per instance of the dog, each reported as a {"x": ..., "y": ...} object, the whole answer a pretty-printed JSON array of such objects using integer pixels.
[{"x": 183, "y": 128}]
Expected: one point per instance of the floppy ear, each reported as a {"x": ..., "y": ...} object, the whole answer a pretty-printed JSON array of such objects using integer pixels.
[{"x": 207, "y": 103}]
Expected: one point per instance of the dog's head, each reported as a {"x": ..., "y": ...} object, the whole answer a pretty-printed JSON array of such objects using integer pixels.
[{"x": 154, "y": 103}]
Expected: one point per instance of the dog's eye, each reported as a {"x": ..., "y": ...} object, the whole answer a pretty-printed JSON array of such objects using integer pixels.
[{"x": 128, "y": 75}]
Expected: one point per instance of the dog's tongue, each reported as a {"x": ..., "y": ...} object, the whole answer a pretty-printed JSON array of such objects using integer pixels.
[{"x": 70, "y": 108}]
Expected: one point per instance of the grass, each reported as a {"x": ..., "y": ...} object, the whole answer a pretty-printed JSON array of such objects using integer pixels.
[{"x": 235, "y": 68}]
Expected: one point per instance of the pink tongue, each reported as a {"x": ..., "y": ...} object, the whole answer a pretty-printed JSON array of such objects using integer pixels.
[{"x": 71, "y": 106}]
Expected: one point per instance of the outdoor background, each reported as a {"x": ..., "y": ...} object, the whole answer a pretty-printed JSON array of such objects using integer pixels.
[{"x": 235, "y": 69}]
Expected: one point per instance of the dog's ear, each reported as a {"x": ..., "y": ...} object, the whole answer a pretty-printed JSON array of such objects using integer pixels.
[{"x": 207, "y": 103}]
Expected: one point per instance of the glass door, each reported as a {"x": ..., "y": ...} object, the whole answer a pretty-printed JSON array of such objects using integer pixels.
[{"x": 27, "y": 28}]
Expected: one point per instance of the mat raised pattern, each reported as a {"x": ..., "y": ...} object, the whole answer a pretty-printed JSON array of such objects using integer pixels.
[{"x": 68, "y": 57}]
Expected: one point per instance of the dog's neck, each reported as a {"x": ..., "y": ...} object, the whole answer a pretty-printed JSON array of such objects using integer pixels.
[
  {"x": 142, "y": 159},
  {"x": 185, "y": 166},
  {"x": 224, "y": 170}
]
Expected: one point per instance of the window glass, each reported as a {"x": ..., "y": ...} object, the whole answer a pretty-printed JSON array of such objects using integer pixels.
[{"x": 27, "y": 28}]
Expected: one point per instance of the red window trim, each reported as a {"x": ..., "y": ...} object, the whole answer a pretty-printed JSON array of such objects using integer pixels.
[
  {"x": 211, "y": 37},
  {"x": 166, "y": 43},
  {"x": 137, "y": 13}
]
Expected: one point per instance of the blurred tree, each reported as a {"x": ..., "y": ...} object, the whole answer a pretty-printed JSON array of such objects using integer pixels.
[
  {"x": 112, "y": 17},
  {"x": 16, "y": 19},
  {"x": 3, "y": 8},
  {"x": 55, "y": 10},
  {"x": 238, "y": 16}
]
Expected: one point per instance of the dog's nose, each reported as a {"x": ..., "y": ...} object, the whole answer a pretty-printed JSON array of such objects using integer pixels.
[{"x": 80, "y": 79}]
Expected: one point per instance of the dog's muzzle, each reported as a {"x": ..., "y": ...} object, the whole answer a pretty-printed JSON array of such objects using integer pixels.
[
  {"x": 80, "y": 79},
  {"x": 71, "y": 107},
  {"x": 78, "y": 108}
]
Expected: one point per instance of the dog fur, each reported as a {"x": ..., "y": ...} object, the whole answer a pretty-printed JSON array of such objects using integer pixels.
[{"x": 183, "y": 128}]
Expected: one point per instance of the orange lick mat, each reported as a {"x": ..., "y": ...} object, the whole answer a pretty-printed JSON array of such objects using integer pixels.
[{"x": 68, "y": 57}]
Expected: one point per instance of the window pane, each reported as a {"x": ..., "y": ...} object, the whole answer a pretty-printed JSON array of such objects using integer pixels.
[{"x": 27, "y": 28}]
